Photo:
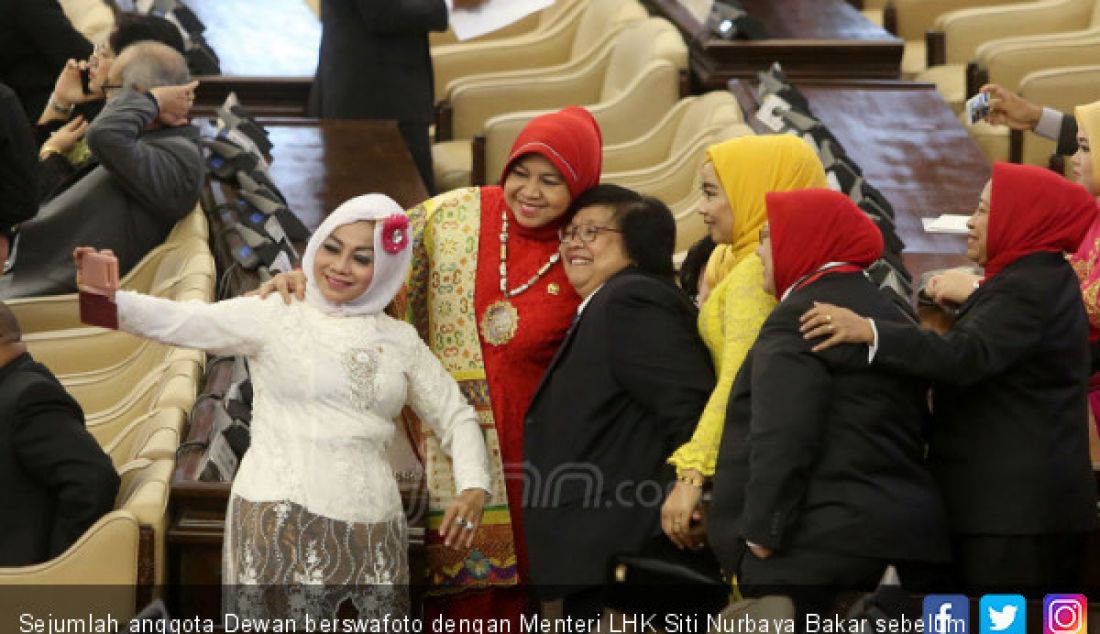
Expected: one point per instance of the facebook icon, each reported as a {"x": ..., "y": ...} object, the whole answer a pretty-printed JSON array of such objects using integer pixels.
[{"x": 946, "y": 614}]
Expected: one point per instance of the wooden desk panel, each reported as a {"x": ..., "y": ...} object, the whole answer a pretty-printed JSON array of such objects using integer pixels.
[
  {"x": 810, "y": 38},
  {"x": 909, "y": 145}
]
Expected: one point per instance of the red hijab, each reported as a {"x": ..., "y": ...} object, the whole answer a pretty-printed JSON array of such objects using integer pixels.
[
  {"x": 1033, "y": 209},
  {"x": 813, "y": 227},
  {"x": 570, "y": 139}
]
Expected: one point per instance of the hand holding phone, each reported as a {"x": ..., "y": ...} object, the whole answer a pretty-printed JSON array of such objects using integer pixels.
[
  {"x": 977, "y": 108},
  {"x": 97, "y": 279},
  {"x": 96, "y": 271}
]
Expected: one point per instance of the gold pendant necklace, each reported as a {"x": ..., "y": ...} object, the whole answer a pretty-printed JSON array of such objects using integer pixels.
[{"x": 501, "y": 319}]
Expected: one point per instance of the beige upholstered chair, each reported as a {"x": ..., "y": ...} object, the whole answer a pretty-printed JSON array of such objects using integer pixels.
[
  {"x": 689, "y": 119},
  {"x": 548, "y": 44},
  {"x": 628, "y": 87},
  {"x": 967, "y": 29},
  {"x": 915, "y": 17},
  {"x": 677, "y": 178},
  {"x": 154, "y": 436}
]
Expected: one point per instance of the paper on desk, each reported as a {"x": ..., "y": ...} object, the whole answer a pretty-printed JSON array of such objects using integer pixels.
[
  {"x": 493, "y": 15},
  {"x": 946, "y": 223}
]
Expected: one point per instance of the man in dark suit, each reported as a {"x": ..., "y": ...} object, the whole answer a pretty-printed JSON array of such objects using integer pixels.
[
  {"x": 57, "y": 480},
  {"x": 626, "y": 388},
  {"x": 375, "y": 64},
  {"x": 149, "y": 176},
  {"x": 1009, "y": 443},
  {"x": 36, "y": 39},
  {"x": 18, "y": 169},
  {"x": 820, "y": 482}
]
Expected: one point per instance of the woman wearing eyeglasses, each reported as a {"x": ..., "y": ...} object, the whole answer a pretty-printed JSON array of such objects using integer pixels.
[{"x": 624, "y": 390}]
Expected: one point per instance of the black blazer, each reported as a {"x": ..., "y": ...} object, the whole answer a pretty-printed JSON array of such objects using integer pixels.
[
  {"x": 57, "y": 481},
  {"x": 625, "y": 390},
  {"x": 374, "y": 61},
  {"x": 819, "y": 451},
  {"x": 1010, "y": 441}
]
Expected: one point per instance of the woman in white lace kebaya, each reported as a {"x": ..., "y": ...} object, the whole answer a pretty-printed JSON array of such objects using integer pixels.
[{"x": 315, "y": 519}]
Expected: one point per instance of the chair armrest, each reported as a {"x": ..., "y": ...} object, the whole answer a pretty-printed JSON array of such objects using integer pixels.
[
  {"x": 475, "y": 103},
  {"x": 97, "y": 575},
  {"x": 967, "y": 29}
]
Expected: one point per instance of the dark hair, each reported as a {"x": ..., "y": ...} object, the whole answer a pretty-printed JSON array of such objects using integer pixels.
[
  {"x": 133, "y": 27},
  {"x": 649, "y": 236},
  {"x": 695, "y": 263},
  {"x": 607, "y": 195},
  {"x": 646, "y": 224}
]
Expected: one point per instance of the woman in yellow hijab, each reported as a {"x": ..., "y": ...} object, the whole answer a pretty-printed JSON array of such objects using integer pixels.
[{"x": 736, "y": 176}]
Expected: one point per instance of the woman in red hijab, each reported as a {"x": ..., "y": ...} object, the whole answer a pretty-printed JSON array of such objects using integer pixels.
[
  {"x": 496, "y": 328},
  {"x": 826, "y": 490},
  {"x": 1009, "y": 443},
  {"x": 489, "y": 295}
]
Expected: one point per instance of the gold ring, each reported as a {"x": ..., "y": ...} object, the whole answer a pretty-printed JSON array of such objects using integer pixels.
[
  {"x": 832, "y": 328},
  {"x": 829, "y": 318}
]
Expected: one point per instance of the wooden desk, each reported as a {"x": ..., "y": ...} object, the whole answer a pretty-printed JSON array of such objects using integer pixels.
[
  {"x": 909, "y": 145},
  {"x": 317, "y": 165},
  {"x": 810, "y": 38},
  {"x": 268, "y": 53}
]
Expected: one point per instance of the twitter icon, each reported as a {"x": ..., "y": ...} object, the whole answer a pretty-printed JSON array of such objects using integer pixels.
[{"x": 1002, "y": 614}]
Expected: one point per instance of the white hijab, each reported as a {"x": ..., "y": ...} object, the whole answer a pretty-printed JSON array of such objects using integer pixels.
[{"x": 392, "y": 254}]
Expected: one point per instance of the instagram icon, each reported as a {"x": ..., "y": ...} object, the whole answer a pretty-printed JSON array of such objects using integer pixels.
[{"x": 1065, "y": 614}]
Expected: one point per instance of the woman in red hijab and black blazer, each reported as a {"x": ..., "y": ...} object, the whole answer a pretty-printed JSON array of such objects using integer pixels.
[
  {"x": 1009, "y": 443},
  {"x": 820, "y": 472}
]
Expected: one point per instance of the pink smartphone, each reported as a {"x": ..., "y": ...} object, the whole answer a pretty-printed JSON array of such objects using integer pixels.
[
  {"x": 98, "y": 281},
  {"x": 99, "y": 273}
]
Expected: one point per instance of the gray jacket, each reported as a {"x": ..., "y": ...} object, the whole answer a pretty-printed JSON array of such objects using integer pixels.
[{"x": 145, "y": 182}]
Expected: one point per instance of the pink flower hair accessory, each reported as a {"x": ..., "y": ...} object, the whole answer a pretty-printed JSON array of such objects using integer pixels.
[{"x": 395, "y": 233}]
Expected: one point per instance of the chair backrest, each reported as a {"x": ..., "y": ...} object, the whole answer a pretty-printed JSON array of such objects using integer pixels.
[
  {"x": 155, "y": 436},
  {"x": 103, "y": 391},
  {"x": 144, "y": 492},
  {"x": 1095, "y": 14},
  {"x": 635, "y": 47},
  {"x": 717, "y": 108},
  {"x": 600, "y": 18}
]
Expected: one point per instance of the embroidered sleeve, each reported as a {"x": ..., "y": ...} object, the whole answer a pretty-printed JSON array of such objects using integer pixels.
[
  {"x": 1090, "y": 293},
  {"x": 747, "y": 307}
]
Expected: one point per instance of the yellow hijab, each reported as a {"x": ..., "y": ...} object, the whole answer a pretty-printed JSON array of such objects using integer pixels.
[
  {"x": 748, "y": 168},
  {"x": 1088, "y": 118}
]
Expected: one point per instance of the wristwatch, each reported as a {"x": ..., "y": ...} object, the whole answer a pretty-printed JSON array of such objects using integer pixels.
[{"x": 60, "y": 109}]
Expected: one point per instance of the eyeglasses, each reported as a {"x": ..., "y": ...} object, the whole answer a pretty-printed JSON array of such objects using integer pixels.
[
  {"x": 108, "y": 87},
  {"x": 585, "y": 233}
]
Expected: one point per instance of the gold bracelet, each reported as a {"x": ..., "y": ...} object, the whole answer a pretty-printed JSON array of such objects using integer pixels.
[
  {"x": 46, "y": 151},
  {"x": 695, "y": 481}
]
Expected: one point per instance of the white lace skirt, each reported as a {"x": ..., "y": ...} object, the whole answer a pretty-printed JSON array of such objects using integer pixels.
[{"x": 283, "y": 562}]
